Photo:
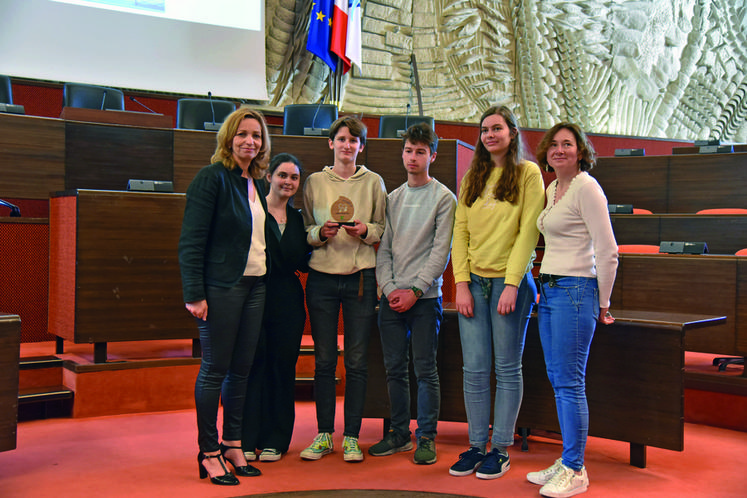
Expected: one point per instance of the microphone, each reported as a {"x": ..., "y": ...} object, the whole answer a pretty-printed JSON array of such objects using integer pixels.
[
  {"x": 314, "y": 131},
  {"x": 407, "y": 118},
  {"x": 103, "y": 101},
  {"x": 211, "y": 126},
  {"x": 142, "y": 105},
  {"x": 14, "y": 211}
]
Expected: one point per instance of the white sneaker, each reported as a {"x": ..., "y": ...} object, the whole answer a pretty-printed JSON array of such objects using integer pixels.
[
  {"x": 543, "y": 476},
  {"x": 250, "y": 456},
  {"x": 566, "y": 483},
  {"x": 270, "y": 455}
]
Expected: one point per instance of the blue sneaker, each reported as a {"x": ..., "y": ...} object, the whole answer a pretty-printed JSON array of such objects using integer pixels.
[
  {"x": 468, "y": 462},
  {"x": 494, "y": 465}
]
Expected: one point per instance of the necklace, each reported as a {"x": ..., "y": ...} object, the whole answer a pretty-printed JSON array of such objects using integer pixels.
[
  {"x": 555, "y": 199},
  {"x": 279, "y": 215}
]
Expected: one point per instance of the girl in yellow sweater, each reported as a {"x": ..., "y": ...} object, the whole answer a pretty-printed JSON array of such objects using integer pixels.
[{"x": 495, "y": 235}]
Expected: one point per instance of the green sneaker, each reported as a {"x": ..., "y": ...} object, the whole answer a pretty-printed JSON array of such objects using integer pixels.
[
  {"x": 426, "y": 452},
  {"x": 391, "y": 444},
  {"x": 351, "y": 452},
  {"x": 322, "y": 445}
]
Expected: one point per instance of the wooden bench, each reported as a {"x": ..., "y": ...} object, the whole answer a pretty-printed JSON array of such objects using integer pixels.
[{"x": 634, "y": 379}]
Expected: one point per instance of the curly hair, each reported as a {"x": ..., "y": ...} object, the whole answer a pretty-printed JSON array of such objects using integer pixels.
[
  {"x": 507, "y": 189},
  {"x": 224, "y": 138},
  {"x": 586, "y": 153}
]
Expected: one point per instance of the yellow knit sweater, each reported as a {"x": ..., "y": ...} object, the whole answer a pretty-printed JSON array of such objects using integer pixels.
[{"x": 495, "y": 238}]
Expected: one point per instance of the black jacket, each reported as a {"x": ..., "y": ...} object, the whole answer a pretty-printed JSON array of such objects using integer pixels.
[{"x": 216, "y": 230}]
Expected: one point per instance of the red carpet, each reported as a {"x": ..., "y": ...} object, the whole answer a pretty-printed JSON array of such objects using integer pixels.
[{"x": 154, "y": 454}]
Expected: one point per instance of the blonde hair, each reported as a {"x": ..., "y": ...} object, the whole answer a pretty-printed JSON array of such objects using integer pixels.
[{"x": 223, "y": 151}]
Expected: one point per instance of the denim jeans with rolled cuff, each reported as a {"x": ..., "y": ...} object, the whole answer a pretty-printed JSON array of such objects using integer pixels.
[
  {"x": 567, "y": 313},
  {"x": 494, "y": 342}
]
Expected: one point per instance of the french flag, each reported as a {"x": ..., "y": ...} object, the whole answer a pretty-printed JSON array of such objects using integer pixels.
[
  {"x": 354, "y": 45},
  {"x": 339, "y": 39}
]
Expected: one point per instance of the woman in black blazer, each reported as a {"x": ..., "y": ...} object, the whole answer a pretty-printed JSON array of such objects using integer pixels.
[
  {"x": 270, "y": 404},
  {"x": 223, "y": 263}
]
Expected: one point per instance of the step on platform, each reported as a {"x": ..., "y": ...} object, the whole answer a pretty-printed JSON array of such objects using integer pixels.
[{"x": 41, "y": 394}]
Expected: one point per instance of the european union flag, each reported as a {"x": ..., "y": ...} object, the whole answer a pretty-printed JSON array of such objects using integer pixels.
[{"x": 320, "y": 31}]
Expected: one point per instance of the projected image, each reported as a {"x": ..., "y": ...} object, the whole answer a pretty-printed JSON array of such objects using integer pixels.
[
  {"x": 186, "y": 47},
  {"x": 239, "y": 14},
  {"x": 155, "y": 5}
]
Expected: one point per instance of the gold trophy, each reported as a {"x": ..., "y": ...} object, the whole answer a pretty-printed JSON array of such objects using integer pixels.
[{"x": 342, "y": 211}]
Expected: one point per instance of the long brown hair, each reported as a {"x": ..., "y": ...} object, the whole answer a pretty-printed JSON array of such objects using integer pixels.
[
  {"x": 225, "y": 136},
  {"x": 507, "y": 189}
]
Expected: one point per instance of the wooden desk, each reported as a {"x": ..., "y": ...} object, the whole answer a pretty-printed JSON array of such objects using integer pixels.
[
  {"x": 114, "y": 269},
  {"x": 702, "y": 284},
  {"x": 90, "y": 155},
  {"x": 109, "y": 116},
  {"x": 634, "y": 379},
  {"x": 683, "y": 183},
  {"x": 192, "y": 151},
  {"x": 31, "y": 145},
  {"x": 696, "y": 150},
  {"x": 635, "y": 386},
  {"x": 10, "y": 351},
  {"x": 724, "y": 233}
]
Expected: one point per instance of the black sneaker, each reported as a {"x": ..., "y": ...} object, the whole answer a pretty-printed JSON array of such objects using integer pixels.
[
  {"x": 468, "y": 462},
  {"x": 494, "y": 465},
  {"x": 392, "y": 443}
]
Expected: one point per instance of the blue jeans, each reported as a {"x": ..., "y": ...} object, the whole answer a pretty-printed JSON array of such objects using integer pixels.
[
  {"x": 486, "y": 338},
  {"x": 568, "y": 311},
  {"x": 228, "y": 339},
  {"x": 419, "y": 325},
  {"x": 325, "y": 293}
]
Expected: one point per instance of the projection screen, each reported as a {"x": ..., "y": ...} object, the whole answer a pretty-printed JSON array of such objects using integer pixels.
[{"x": 176, "y": 46}]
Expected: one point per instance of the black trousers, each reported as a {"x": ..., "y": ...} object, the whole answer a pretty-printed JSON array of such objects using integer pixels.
[
  {"x": 228, "y": 339},
  {"x": 269, "y": 410}
]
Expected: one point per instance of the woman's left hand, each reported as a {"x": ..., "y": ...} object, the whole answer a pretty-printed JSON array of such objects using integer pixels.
[
  {"x": 507, "y": 301},
  {"x": 357, "y": 230},
  {"x": 605, "y": 316}
]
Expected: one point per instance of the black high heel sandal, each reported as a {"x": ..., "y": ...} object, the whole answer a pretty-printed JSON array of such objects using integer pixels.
[
  {"x": 227, "y": 479},
  {"x": 243, "y": 471}
]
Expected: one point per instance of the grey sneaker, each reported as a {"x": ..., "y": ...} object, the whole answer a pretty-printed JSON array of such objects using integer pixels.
[
  {"x": 392, "y": 443},
  {"x": 351, "y": 452},
  {"x": 270, "y": 455},
  {"x": 426, "y": 452},
  {"x": 566, "y": 483},
  {"x": 322, "y": 445},
  {"x": 541, "y": 477}
]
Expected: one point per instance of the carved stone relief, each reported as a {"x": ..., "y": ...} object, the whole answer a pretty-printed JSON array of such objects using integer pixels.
[{"x": 658, "y": 68}]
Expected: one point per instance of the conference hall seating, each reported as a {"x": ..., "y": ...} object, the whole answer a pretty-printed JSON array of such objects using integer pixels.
[
  {"x": 308, "y": 119},
  {"x": 194, "y": 114},
  {"x": 6, "y": 92},
  {"x": 92, "y": 97},
  {"x": 394, "y": 125}
]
